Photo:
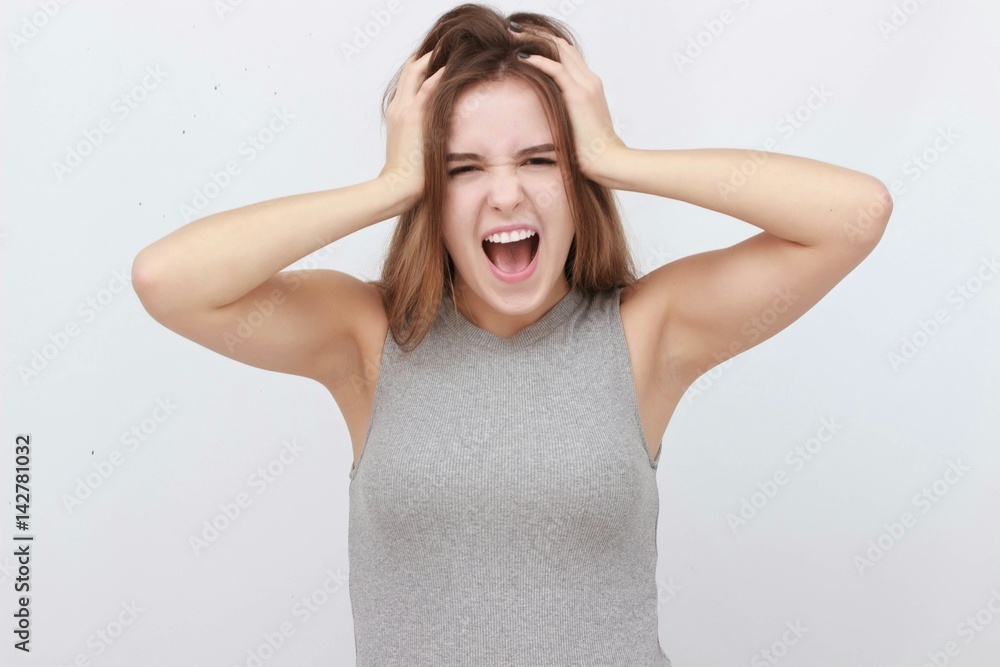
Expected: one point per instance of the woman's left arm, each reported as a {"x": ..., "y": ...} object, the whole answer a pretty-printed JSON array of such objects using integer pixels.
[
  {"x": 798, "y": 199},
  {"x": 819, "y": 220}
]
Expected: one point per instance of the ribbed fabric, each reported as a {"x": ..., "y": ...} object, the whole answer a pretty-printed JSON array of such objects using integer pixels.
[{"x": 504, "y": 509}]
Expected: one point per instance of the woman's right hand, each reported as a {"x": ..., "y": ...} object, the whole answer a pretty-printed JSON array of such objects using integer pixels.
[{"x": 404, "y": 151}]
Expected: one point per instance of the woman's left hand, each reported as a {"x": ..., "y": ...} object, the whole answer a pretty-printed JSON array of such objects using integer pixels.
[{"x": 593, "y": 130}]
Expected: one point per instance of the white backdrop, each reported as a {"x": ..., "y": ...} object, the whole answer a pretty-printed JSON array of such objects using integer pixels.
[{"x": 116, "y": 117}]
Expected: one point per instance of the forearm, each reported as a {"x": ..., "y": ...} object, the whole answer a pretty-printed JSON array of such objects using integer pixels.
[
  {"x": 799, "y": 199},
  {"x": 215, "y": 260}
]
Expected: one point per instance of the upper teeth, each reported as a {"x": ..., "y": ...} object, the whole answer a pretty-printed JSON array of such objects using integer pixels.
[{"x": 509, "y": 237}]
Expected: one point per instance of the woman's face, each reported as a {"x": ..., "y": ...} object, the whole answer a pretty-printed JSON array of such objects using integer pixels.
[{"x": 494, "y": 183}]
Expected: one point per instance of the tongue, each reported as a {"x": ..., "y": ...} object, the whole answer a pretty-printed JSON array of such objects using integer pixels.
[{"x": 510, "y": 257}]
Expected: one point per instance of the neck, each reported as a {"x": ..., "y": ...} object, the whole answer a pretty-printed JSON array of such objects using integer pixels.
[{"x": 504, "y": 325}]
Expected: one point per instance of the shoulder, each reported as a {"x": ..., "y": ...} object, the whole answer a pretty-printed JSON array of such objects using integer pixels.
[
  {"x": 357, "y": 365},
  {"x": 373, "y": 326},
  {"x": 643, "y": 305}
]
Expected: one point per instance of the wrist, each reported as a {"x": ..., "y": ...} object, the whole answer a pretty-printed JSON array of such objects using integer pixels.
[
  {"x": 398, "y": 197},
  {"x": 610, "y": 167}
]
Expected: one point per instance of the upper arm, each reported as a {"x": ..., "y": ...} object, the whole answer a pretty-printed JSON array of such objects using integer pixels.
[
  {"x": 308, "y": 323},
  {"x": 714, "y": 305}
]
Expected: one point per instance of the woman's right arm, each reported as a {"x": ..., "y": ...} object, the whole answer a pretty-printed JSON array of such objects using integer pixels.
[{"x": 219, "y": 280}]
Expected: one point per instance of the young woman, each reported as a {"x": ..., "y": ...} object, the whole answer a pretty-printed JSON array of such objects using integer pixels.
[{"x": 507, "y": 381}]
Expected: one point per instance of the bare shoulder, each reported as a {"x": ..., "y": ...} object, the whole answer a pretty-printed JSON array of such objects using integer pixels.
[
  {"x": 353, "y": 385},
  {"x": 665, "y": 352},
  {"x": 643, "y": 308},
  {"x": 658, "y": 385},
  {"x": 358, "y": 366}
]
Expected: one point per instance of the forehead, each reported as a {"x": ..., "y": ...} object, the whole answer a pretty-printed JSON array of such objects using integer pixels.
[{"x": 499, "y": 115}]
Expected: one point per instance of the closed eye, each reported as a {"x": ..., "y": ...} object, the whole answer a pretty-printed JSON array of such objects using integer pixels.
[{"x": 535, "y": 160}]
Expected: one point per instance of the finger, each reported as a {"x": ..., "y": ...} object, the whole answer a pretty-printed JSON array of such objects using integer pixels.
[
  {"x": 571, "y": 58},
  {"x": 413, "y": 75},
  {"x": 565, "y": 48},
  {"x": 560, "y": 73},
  {"x": 562, "y": 45},
  {"x": 576, "y": 70},
  {"x": 431, "y": 81}
]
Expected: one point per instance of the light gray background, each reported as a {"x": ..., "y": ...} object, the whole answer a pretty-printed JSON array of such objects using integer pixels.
[{"x": 725, "y": 595}]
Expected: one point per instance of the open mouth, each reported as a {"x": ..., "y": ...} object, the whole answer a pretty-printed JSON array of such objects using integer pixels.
[{"x": 513, "y": 256}]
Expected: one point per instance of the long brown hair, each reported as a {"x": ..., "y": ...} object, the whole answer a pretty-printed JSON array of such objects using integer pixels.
[{"x": 475, "y": 43}]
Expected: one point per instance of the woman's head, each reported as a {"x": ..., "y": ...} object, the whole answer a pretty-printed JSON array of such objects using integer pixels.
[
  {"x": 504, "y": 176},
  {"x": 488, "y": 106}
]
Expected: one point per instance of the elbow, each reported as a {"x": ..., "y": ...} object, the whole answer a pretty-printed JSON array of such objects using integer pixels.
[
  {"x": 144, "y": 281},
  {"x": 141, "y": 277},
  {"x": 881, "y": 194},
  {"x": 871, "y": 215}
]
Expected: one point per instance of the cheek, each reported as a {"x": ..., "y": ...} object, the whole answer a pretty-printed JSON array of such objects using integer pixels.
[
  {"x": 448, "y": 238},
  {"x": 549, "y": 197},
  {"x": 455, "y": 237},
  {"x": 456, "y": 214}
]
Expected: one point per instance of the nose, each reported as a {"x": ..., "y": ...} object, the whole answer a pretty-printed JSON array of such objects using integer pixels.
[{"x": 505, "y": 190}]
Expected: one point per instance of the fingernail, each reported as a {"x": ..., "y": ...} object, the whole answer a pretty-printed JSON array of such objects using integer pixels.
[
  {"x": 515, "y": 27},
  {"x": 522, "y": 54}
]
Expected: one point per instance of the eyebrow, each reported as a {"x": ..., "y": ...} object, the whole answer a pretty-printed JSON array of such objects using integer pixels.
[{"x": 524, "y": 152}]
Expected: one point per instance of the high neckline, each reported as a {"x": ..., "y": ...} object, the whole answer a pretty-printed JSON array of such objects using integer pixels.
[{"x": 543, "y": 326}]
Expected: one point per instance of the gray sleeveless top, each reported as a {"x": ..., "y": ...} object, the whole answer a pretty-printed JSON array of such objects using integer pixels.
[{"x": 504, "y": 508}]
